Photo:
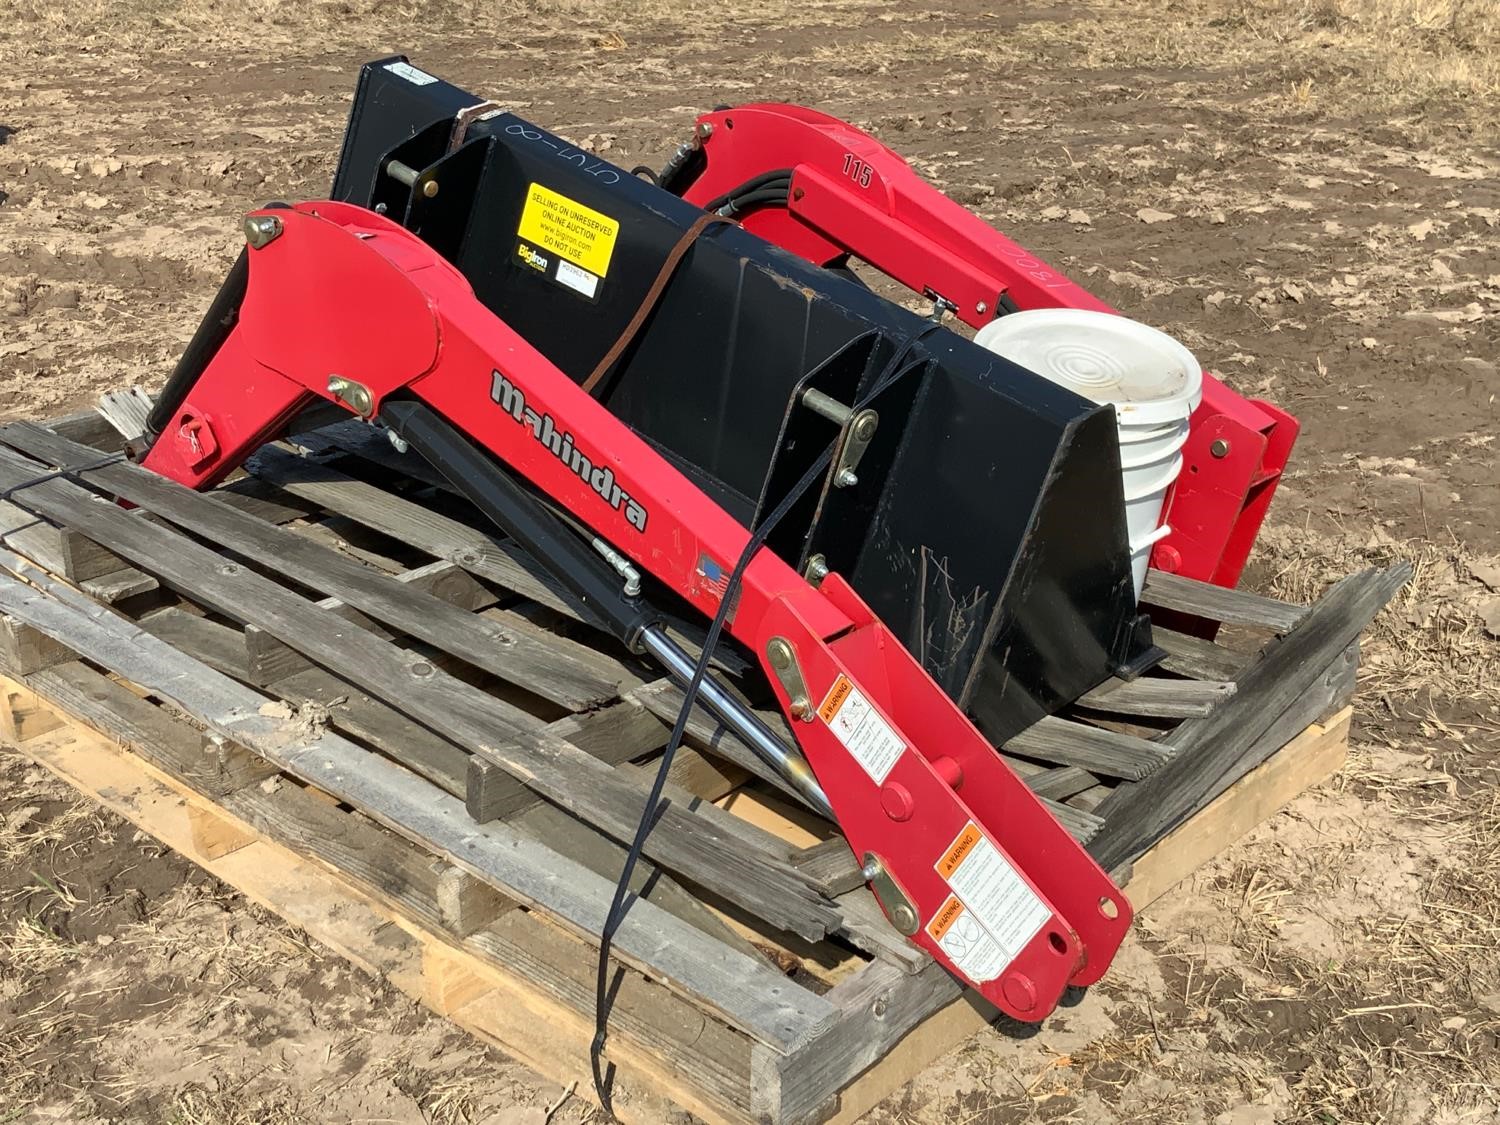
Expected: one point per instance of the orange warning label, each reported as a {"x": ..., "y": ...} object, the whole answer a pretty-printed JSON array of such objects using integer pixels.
[
  {"x": 861, "y": 729},
  {"x": 959, "y": 850},
  {"x": 835, "y": 698},
  {"x": 947, "y": 914}
]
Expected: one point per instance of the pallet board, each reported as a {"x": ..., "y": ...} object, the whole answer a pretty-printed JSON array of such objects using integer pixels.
[{"x": 337, "y": 667}]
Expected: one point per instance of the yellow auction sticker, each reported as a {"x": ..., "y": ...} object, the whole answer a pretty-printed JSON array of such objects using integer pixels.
[{"x": 570, "y": 230}]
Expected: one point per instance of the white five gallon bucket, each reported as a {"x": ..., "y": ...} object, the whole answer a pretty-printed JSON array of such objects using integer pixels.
[{"x": 1151, "y": 380}]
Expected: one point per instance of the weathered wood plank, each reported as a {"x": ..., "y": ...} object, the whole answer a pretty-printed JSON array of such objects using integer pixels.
[
  {"x": 62, "y": 550},
  {"x": 364, "y": 875},
  {"x": 1061, "y": 783},
  {"x": 1330, "y": 693},
  {"x": 707, "y": 1059},
  {"x": 866, "y": 928},
  {"x": 877, "y": 1007},
  {"x": 514, "y": 739},
  {"x": 466, "y": 904},
  {"x": 118, "y": 585},
  {"x": 1232, "y": 607},
  {"x": 480, "y": 552},
  {"x": 88, "y": 427},
  {"x": 436, "y": 534},
  {"x": 1162, "y": 698},
  {"x": 621, "y": 729},
  {"x": 1202, "y": 660},
  {"x": 349, "y": 709},
  {"x": 1210, "y": 750},
  {"x": 24, "y": 650},
  {"x": 831, "y": 864},
  {"x": 227, "y": 766},
  {"x": 614, "y": 734},
  {"x": 1081, "y": 824},
  {"x": 663, "y": 699},
  {"x": 1106, "y": 752},
  {"x": 554, "y": 672},
  {"x": 270, "y": 660},
  {"x": 759, "y": 1001}
]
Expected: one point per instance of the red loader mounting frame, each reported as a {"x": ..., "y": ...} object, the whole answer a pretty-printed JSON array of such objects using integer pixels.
[
  {"x": 963, "y": 857},
  {"x": 850, "y": 194}
]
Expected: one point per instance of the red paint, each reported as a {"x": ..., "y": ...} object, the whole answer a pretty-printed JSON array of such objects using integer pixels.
[
  {"x": 896, "y": 800},
  {"x": 949, "y": 771},
  {"x": 346, "y": 292},
  {"x": 853, "y": 195}
]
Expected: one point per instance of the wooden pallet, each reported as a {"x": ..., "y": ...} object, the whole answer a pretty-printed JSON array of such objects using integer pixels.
[{"x": 163, "y": 659}]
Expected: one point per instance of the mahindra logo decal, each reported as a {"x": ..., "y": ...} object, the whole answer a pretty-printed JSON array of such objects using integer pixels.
[{"x": 511, "y": 399}]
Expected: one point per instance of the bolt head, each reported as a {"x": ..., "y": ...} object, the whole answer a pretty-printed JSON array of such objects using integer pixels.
[
  {"x": 354, "y": 395},
  {"x": 430, "y": 188},
  {"x": 1019, "y": 991},
  {"x": 704, "y": 130},
  {"x": 865, "y": 426},
  {"x": 1220, "y": 448},
  {"x": 981, "y": 308},
  {"x": 904, "y": 918},
  {"x": 261, "y": 230},
  {"x": 846, "y": 478}
]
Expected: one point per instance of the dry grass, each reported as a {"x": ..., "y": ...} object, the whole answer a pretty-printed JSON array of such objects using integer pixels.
[
  {"x": 1413, "y": 51},
  {"x": 452, "y": 1100},
  {"x": 39, "y": 27},
  {"x": 1437, "y": 59},
  {"x": 22, "y": 835},
  {"x": 31, "y": 947},
  {"x": 1413, "y": 1005},
  {"x": 199, "y": 1106},
  {"x": 1410, "y": 48},
  {"x": 1430, "y": 641},
  {"x": 21, "y": 1040}
]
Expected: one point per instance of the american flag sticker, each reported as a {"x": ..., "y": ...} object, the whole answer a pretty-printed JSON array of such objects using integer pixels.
[{"x": 713, "y": 578}]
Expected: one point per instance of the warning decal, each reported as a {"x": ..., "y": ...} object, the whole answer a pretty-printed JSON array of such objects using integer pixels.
[
  {"x": 410, "y": 73},
  {"x": 554, "y": 224},
  {"x": 991, "y": 894},
  {"x": 967, "y": 944},
  {"x": 867, "y": 737}
]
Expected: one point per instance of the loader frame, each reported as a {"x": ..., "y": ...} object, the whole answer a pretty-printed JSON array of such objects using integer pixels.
[{"x": 346, "y": 306}]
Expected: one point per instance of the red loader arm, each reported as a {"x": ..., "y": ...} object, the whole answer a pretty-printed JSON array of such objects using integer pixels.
[
  {"x": 851, "y": 195},
  {"x": 965, "y": 860}
]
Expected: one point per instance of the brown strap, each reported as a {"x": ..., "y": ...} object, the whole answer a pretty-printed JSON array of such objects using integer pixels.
[{"x": 653, "y": 295}]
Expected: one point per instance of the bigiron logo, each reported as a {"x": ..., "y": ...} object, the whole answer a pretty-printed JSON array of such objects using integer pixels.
[
  {"x": 601, "y": 478},
  {"x": 531, "y": 257}
]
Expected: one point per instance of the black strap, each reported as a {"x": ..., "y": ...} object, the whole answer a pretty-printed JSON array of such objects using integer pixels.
[
  {"x": 619, "y": 906},
  {"x": 653, "y": 295},
  {"x": 57, "y": 474}
]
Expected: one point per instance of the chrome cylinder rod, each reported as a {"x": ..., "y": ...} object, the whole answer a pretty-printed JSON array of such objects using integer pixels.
[{"x": 742, "y": 721}]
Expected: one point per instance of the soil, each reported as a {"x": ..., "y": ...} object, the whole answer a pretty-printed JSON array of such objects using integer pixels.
[{"x": 1306, "y": 193}]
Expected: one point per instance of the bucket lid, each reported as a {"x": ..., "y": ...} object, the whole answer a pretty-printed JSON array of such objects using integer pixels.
[{"x": 1149, "y": 377}]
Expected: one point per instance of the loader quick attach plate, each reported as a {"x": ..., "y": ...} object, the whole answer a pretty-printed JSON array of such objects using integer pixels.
[{"x": 984, "y": 523}]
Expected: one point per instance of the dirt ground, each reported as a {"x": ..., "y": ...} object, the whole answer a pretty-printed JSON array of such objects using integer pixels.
[{"x": 1307, "y": 192}]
